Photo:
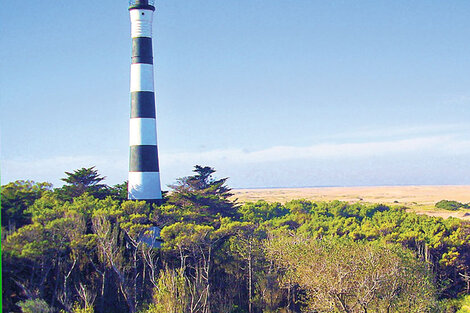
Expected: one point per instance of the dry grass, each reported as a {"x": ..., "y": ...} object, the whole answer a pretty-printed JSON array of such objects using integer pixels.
[{"x": 420, "y": 199}]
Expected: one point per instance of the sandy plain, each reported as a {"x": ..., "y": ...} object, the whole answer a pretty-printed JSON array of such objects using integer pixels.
[{"x": 420, "y": 199}]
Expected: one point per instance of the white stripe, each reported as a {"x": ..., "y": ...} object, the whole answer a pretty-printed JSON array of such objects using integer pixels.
[
  {"x": 141, "y": 23},
  {"x": 144, "y": 185},
  {"x": 141, "y": 77},
  {"x": 143, "y": 131}
]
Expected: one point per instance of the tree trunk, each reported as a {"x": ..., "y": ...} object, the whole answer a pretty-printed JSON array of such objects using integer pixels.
[
  {"x": 144, "y": 277},
  {"x": 128, "y": 299},
  {"x": 135, "y": 277},
  {"x": 66, "y": 277},
  {"x": 102, "y": 290},
  {"x": 250, "y": 278},
  {"x": 208, "y": 280},
  {"x": 43, "y": 278},
  {"x": 56, "y": 285}
]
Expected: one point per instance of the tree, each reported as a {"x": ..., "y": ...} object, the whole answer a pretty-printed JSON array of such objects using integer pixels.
[
  {"x": 118, "y": 191},
  {"x": 246, "y": 246},
  {"x": 195, "y": 246},
  {"x": 261, "y": 211},
  {"x": 134, "y": 222},
  {"x": 81, "y": 181},
  {"x": 16, "y": 198},
  {"x": 352, "y": 277},
  {"x": 171, "y": 292},
  {"x": 216, "y": 257},
  {"x": 202, "y": 198},
  {"x": 110, "y": 256},
  {"x": 204, "y": 180}
]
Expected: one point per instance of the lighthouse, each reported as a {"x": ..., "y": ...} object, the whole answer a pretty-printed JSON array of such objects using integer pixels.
[{"x": 144, "y": 173}]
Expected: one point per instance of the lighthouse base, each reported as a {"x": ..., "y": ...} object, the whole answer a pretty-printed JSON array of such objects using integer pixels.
[{"x": 144, "y": 186}]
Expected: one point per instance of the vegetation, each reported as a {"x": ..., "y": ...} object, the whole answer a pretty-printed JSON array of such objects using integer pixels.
[
  {"x": 451, "y": 205},
  {"x": 80, "y": 248},
  {"x": 34, "y": 306},
  {"x": 348, "y": 276}
]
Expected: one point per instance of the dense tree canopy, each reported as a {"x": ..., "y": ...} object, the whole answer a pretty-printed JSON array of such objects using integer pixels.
[
  {"x": 80, "y": 248},
  {"x": 350, "y": 276},
  {"x": 16, "y": 198}
]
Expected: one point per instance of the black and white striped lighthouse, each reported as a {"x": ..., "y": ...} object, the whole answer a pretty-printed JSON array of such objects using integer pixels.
[{"x": 144, "y": 176}]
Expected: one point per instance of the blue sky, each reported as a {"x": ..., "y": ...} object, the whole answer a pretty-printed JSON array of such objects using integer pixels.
[{"x": 270, "y": 93}]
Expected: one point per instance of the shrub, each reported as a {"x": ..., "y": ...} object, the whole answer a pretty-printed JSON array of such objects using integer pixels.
[
  {"x": 34, "y": 306},
  {"x": 464, "y": 305},
  {"x": 78, "y": 309},
  {"x": 450, "y": 205}
]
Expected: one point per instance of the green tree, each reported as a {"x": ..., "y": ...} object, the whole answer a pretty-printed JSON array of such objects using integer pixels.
[
  {"x": 118, "y": 191},
  {"x": 261, "y": 211},
  {"x": 202, "y": 198},
  {"x": 215, "y": 256},
  {"x": 109, "y": 255},
  {"x": 246, "y": 246},
  {"x": 171, "y": 293},
  {"x": 195, "y": 248},
  {"x": 134, "y": 221},
  {"x": 81, "y": 181},
  {"x": 16, "y": 198},
  {"x": 353, "y": 277}
]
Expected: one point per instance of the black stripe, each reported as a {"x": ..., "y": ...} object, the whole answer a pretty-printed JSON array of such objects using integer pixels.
[
  {"x": 141, "y": 4},
  {"x": 143, "y": 159},
  {"x": 142, "y": 50},
  {"x": 143, "y": 104}
]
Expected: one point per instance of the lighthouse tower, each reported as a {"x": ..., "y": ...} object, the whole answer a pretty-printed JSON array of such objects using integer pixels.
[{"x": 144, "y": 176}]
